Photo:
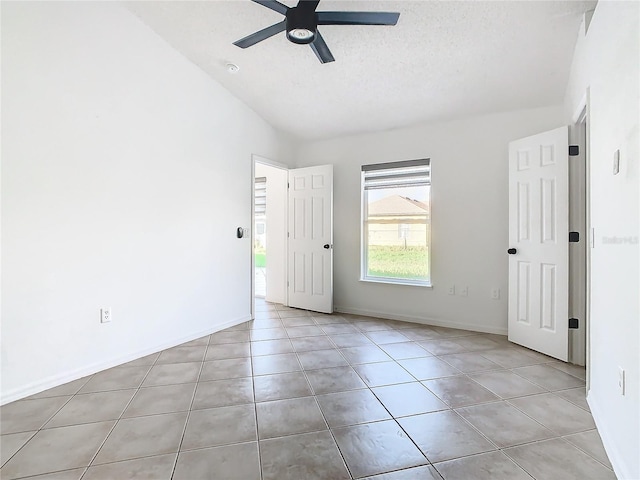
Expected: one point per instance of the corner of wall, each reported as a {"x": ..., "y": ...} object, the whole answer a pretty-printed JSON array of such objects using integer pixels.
[{"x": 608, "y": 436}]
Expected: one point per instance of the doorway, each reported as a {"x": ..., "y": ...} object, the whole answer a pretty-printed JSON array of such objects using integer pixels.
[
  {"x": 292, "y": 236},
  {"x": 548, "y": 225},
  {"x": 269, "y": 240}
]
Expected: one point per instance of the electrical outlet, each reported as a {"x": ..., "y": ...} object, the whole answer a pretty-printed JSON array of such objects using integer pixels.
[
  {"x": 452, "y": 290},
  {"x": 621, "y": 380},
  {"x": 495, "y": 293},
  {"x": 105, "y": 315},
  {"x": 464, "y": 291}
]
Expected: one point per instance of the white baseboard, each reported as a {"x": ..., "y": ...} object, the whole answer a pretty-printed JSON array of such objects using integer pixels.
[
  {"x": 620, "y": 468},
  {"x": 421, "y": 320},
  {"x": 69, "y": 376}
]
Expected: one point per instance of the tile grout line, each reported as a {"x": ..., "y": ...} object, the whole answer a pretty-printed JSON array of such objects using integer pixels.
[
  {"x": 41, "y": 428},
  {"x": 255, "y": 409},
  {"x": 137, "y": 389},
  {"x": 315, "y": 397},
  {"x": 555, "y": 436},
  {"x": 25, "y": 443},
  {"x": 506, "y": 400},
  {"x": 366, "y": 333},
  {"x": 563, "y": 437},
  {"x": 93, "y": 458},
  {"x": 193, "y": 396},
  {"x": 392, "y": 416},
  {"x": 484, "y": 453},
  {"x": 465, "y": 374},
  {"x": 77, "y": 394},
  {"x": 369, "y": 388},
  {"x": 452, "y": 409}
]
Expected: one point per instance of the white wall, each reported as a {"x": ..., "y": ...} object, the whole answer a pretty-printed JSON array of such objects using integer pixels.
[
  {"x": 606, "y": 64},
  {"x": 125, "y": 172},
  {"x": 276, "y": 231},
  {"x": 469, "y": 216}
]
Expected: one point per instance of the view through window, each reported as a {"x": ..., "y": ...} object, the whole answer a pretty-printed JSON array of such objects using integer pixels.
[{"x": 396, "y": 201}]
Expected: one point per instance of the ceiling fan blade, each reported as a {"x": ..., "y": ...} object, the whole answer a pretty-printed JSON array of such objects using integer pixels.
[
  {"x": 320, "y": 48},
  {"x": 310, "y": 4},
  {"x": 273, "y": 5},
  {"x": 263, "y": 34},
  {"x": 357, "y": 18}
]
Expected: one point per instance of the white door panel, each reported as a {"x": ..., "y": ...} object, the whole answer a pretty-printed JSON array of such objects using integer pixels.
[
  {"x": 311, "y": 238},
  {"x": 538, "y": 231}
]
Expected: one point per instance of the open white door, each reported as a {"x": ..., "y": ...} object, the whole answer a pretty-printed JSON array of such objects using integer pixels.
[
  {"x": 538, "y": 241},
  {"x": 310, "y": 250}
]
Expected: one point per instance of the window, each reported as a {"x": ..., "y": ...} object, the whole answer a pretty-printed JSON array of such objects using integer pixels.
[{"x": 396, "y": 219}]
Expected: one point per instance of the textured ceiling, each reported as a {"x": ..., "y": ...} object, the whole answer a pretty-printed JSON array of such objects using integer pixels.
[{"x": 444, "y": 59}]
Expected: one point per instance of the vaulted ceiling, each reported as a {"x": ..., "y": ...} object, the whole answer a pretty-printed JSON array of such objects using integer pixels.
[{"x": 444, "y": 59}]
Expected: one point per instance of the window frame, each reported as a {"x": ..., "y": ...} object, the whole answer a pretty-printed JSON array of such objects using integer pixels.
[{"x": 364, "y": 224}]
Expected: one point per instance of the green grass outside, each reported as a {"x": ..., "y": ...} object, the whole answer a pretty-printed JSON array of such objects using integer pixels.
[
  {"x": 385, "y": 261},
  {"x": 398, "y": 262},
  {"x": 261, "y": 259}
]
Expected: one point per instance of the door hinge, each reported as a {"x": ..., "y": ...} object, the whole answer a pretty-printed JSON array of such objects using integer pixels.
[
  {"x": 287, "y": 283},
  {"x": 287, "y": 184},
  {"x": 287, "y": 234},
  {"x": 573, "y": 323},
  {"x": 574, "y": 150},
  {"x": 574, "y": 237}
]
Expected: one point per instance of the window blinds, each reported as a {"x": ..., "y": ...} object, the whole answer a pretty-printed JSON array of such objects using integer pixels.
[
  {"x": 260, "y": 196},
  {"x": 410, "y": 173}
]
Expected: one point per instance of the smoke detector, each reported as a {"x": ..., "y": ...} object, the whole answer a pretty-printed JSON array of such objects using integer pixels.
[{"x": 232, "y": 67}]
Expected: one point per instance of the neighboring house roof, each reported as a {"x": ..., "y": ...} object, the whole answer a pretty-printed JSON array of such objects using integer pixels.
[{"x": 397, "y": 205}]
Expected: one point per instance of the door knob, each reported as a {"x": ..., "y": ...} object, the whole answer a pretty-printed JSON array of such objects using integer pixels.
[
  {"x": 327, "y": 246},
  {"x": 512, "y": 251}
]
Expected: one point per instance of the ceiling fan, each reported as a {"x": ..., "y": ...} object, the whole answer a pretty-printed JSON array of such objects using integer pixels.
[{"x": 301, "y": 23}]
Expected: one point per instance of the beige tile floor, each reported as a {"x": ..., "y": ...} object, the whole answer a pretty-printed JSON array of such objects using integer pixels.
[{"x": 298, "y": 395}]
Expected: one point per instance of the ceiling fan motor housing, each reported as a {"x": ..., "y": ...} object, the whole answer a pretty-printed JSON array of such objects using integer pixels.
[
  {"x": 301, "y": 19},
  {"x": 301, "y": 24}
]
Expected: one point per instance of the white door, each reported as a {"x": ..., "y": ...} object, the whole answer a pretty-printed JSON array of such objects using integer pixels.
[
  {"x": 538, "y": 242},
  {"x": 310, "y": 251}
]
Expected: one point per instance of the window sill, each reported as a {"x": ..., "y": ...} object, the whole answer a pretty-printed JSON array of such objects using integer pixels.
[{"x": 391, "y": 281}]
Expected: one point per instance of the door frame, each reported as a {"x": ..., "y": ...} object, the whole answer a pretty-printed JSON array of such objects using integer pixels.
[
  {"x": 580, "y": 119},
  {"x": 271, "y": 163},
  {"x": 578, "y": 252}
]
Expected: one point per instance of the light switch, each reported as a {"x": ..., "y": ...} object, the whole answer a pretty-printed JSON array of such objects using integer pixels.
[{"x": 616, "y": 162}]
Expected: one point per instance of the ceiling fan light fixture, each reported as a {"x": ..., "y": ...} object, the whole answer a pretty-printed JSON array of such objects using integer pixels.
[
  {"x": 302, "y": 23},
  {"x": 301, "y": 35}
]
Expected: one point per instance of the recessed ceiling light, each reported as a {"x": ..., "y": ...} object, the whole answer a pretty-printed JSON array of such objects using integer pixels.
[{"x": 232, "y": 68}]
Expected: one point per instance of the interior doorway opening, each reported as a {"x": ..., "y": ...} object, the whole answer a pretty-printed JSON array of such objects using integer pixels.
[{"x": 269, "y": 233}]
